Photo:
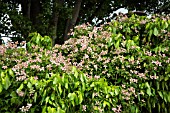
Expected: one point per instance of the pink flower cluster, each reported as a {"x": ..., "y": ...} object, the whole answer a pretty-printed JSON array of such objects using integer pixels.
[
  {"x": 25, "y": 108},
  {"x": 20, "y": 93},
  {"x": 2, "y": 49},
  {"x": 156, "y": 63},
  {"x": 117, "y": 109}
]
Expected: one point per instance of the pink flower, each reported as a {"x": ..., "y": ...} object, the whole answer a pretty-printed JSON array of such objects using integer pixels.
[
  {"x": 49, "y": 67},
  {"x": 133, "y": 80},
  {"x": 4, "y": 67},
  {"x": 2, "y": 49},
  {"x": 84, "y": 108},
  {"x": 95, "y": 94},
  {"x": 96, "y": 77},
  {"x": 36, "y": 78},
  {"x": 90, "y": 77},
  {"x": 20, "y": 93},
  {"x": 143, "y": 100},
  {"x": 86, "y": 56},
  {"x": 114, "y": 109},
  {"x": 157, "y": 63},
  {"x": 84, "y": 46},
  {"x": 163, "y": 55},
  {"x": 142, "y": 21},
  {"x": 21, "y": 78},
  {"x": 123, "y": 86}
]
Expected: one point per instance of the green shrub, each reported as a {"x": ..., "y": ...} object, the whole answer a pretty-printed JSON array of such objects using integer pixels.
[
  {"x": 132, "y": 53},
  {"x": 125, "y": 65},
  {"x": 44, "y": 81},
  {"x": 38, "y": 40},
  {"x": 73, "y": 92}
]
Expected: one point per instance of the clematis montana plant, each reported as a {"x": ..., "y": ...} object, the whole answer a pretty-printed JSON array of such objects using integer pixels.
[{"x": 122, "y": 66}]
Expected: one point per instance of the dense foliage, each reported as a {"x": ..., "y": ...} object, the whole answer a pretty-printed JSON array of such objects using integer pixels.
[
  {"x": 122, "y": 66},
  {"x": 55, "y": 18}
]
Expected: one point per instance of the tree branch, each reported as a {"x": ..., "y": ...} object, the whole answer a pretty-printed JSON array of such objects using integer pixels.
[
  {"x": 71, "y": 22},
  {"x": 55, "y": 16}
]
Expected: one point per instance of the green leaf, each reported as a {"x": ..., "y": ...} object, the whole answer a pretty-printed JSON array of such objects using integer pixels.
[
  {"x": 59, "y": 110},
  {"x": 135, "y": 38},
  {"x": 13, "y": 100},
  {"x": 95, "y": 108},
  {"x": 155, "y": 31},
  {"x": 163, "y": 105},
  {"x": 29, "y": 45},
  {"x": 137, "y": 110},
  {"x": 166, "y": 24},
  {"x": 72, "y": 97},
  {"x": 52, "y": 96},
  {"x": 118, "y": 36},
  {"x": 147, "y": 85},
  {"x": 168, "y": 96},
  {"x": 106, "y": 103},
  {"x": 165, "y": 96},
  {"x": 117, "y": 44},
  {"x": 2, "y": 74},
  {"x": 160, "y": 94},
  {"x": 159, "y": 108},
  {"x": 74, "y": 69},
  {"x": 51, "y": 110},
  {"x": 76, "y": 84},
  {"x": 150, "y": 34},
  {"x": 138, "y": 97},
  {"x": 1, "y": 88},
  {"x": 7, "y": 82},
  {"x": 116, "y": 91},
  {"x": 76, "y": 74},
  {"x": 82, "y": 77},
  {"x": 66, "y": 85},
  {"x": 47, "y": 99},
  {"x": 29, "y": 85},
  {"x": 93, "y": 84},
  {"x": 80, "y": 97},
  {"x": 148, "y": 91},
  {"x": 13, "y": 94},
  {"x": 44, "y": 109},
  {"x": 38, "y": 39},
  {"x": 21, "y": 87},
  {"x": 147, "y": 26},
  {"x": 166, "y": 78},
  {"x": 128, "y": 30},
  {"x": 11, "y": 72},
  {"x": 163, "y": 85},
  {"x": 111, "y": 93},
  {"x": 157, "y": 85},
  {"x": 35, "y": 97},
  {"x": 133, "y": 109},
  {"x": 114, "y": 30},
  {"x": 59, "y": 88},
  {"x": 43, "y": 97},
  {"x": 55, "y": 80},
  {"x": 110, "y": 42},
  {"x": 83, "y": 87}
]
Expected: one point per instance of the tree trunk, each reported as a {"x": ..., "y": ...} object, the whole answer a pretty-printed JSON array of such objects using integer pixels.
[
  {"x": 71, "y": 22},
  {"x": 26, "y": 10},
  {"x": 31, "y": 10},
  {"x": 67, "y": 28},
  {"x": 26, "y": 6},
  {"x": 57, "y": 4},
  {"x": 35, "y": 11}
]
